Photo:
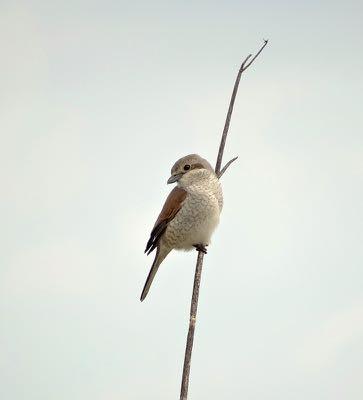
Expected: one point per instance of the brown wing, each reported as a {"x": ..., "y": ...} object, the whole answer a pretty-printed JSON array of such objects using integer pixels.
[{"x": 171, "y": 207}]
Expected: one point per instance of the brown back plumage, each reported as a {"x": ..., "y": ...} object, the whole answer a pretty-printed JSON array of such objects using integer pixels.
[{"x": 171, "y": 207}]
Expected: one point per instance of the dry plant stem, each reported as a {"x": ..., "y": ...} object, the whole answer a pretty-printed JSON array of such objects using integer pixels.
[
  {"x": 224, "y": 169},
  {"x": 190, "y": 338},
  {"x": 198, "y": 269},
  {"x": 243, "y": 67}
]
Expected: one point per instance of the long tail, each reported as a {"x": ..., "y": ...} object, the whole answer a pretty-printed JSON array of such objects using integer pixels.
[{"x": 159, "y": 257}]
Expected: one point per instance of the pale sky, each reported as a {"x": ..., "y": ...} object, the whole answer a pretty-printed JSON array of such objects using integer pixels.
[{"x": 97, "y": 101}]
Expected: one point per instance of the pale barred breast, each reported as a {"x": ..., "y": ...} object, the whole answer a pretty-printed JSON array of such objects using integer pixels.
[{"x": 201, "y": 207}]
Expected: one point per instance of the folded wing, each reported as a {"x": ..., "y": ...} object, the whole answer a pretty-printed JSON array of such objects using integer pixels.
[{"x": 172, "y": 206}]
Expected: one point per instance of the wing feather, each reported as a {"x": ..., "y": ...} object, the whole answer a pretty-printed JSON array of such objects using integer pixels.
[{"x": 172, "y": 206}]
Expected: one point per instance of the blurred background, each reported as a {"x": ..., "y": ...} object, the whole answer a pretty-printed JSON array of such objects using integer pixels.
[{"x": 98, "y": 100}]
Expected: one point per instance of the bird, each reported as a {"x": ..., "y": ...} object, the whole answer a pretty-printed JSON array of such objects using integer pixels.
[{"x": 190, "y": 213}]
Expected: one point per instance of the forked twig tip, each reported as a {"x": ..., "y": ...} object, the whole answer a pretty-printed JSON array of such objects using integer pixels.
[{"x": 224, "y": 169}]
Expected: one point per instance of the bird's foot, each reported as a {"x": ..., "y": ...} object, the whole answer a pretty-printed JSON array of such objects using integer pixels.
[{"x": 201, "y": 247}]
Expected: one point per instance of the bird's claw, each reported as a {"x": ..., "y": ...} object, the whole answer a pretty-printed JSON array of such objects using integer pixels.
[{"x": 200, "y": 247}]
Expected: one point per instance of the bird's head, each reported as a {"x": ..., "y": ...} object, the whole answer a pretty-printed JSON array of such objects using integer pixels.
[{"x": 188, "y": 165}]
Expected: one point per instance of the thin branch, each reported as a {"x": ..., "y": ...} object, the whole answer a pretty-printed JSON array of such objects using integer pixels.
[
  {"x": 198, "y": 269},
  {"x": 265, "y": 41},
  {"x": 244, "y": 62},
  {"x": 224, "y": 169},
  {"x": 243, "y": 67},
  {"x": 190, "y": 338},
  {"x": 228, "y": 119}
]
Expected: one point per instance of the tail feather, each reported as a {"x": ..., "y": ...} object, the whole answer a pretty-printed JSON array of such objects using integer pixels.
[{"x": 159, "y": 257}]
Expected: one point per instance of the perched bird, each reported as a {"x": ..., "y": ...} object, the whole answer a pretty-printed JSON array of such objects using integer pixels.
[{"x": 190, "y": 213}]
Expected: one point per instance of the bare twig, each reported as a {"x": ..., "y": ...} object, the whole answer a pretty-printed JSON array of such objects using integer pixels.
[
  {"x": 190, "y": 338},
  {"x": 243, "y": 67},
  {"x": 224, "y": 169},
  {"x": 265, "y": 41},
  {"x": 198, "y": 269}
]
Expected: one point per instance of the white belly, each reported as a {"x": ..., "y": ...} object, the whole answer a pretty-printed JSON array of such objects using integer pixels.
[
  {"x": 201, "y": 232},
  {"x": 195, "y": 222}
]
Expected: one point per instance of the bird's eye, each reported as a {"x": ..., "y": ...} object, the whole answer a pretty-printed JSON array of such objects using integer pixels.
[{"x": 186, "y": 167}]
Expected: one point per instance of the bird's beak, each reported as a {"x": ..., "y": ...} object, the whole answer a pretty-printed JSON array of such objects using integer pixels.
[{"x": 174, "y": 178}]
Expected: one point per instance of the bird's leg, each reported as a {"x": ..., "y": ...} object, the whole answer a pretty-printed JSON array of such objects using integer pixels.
[{"x": 201, "y": 247}]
